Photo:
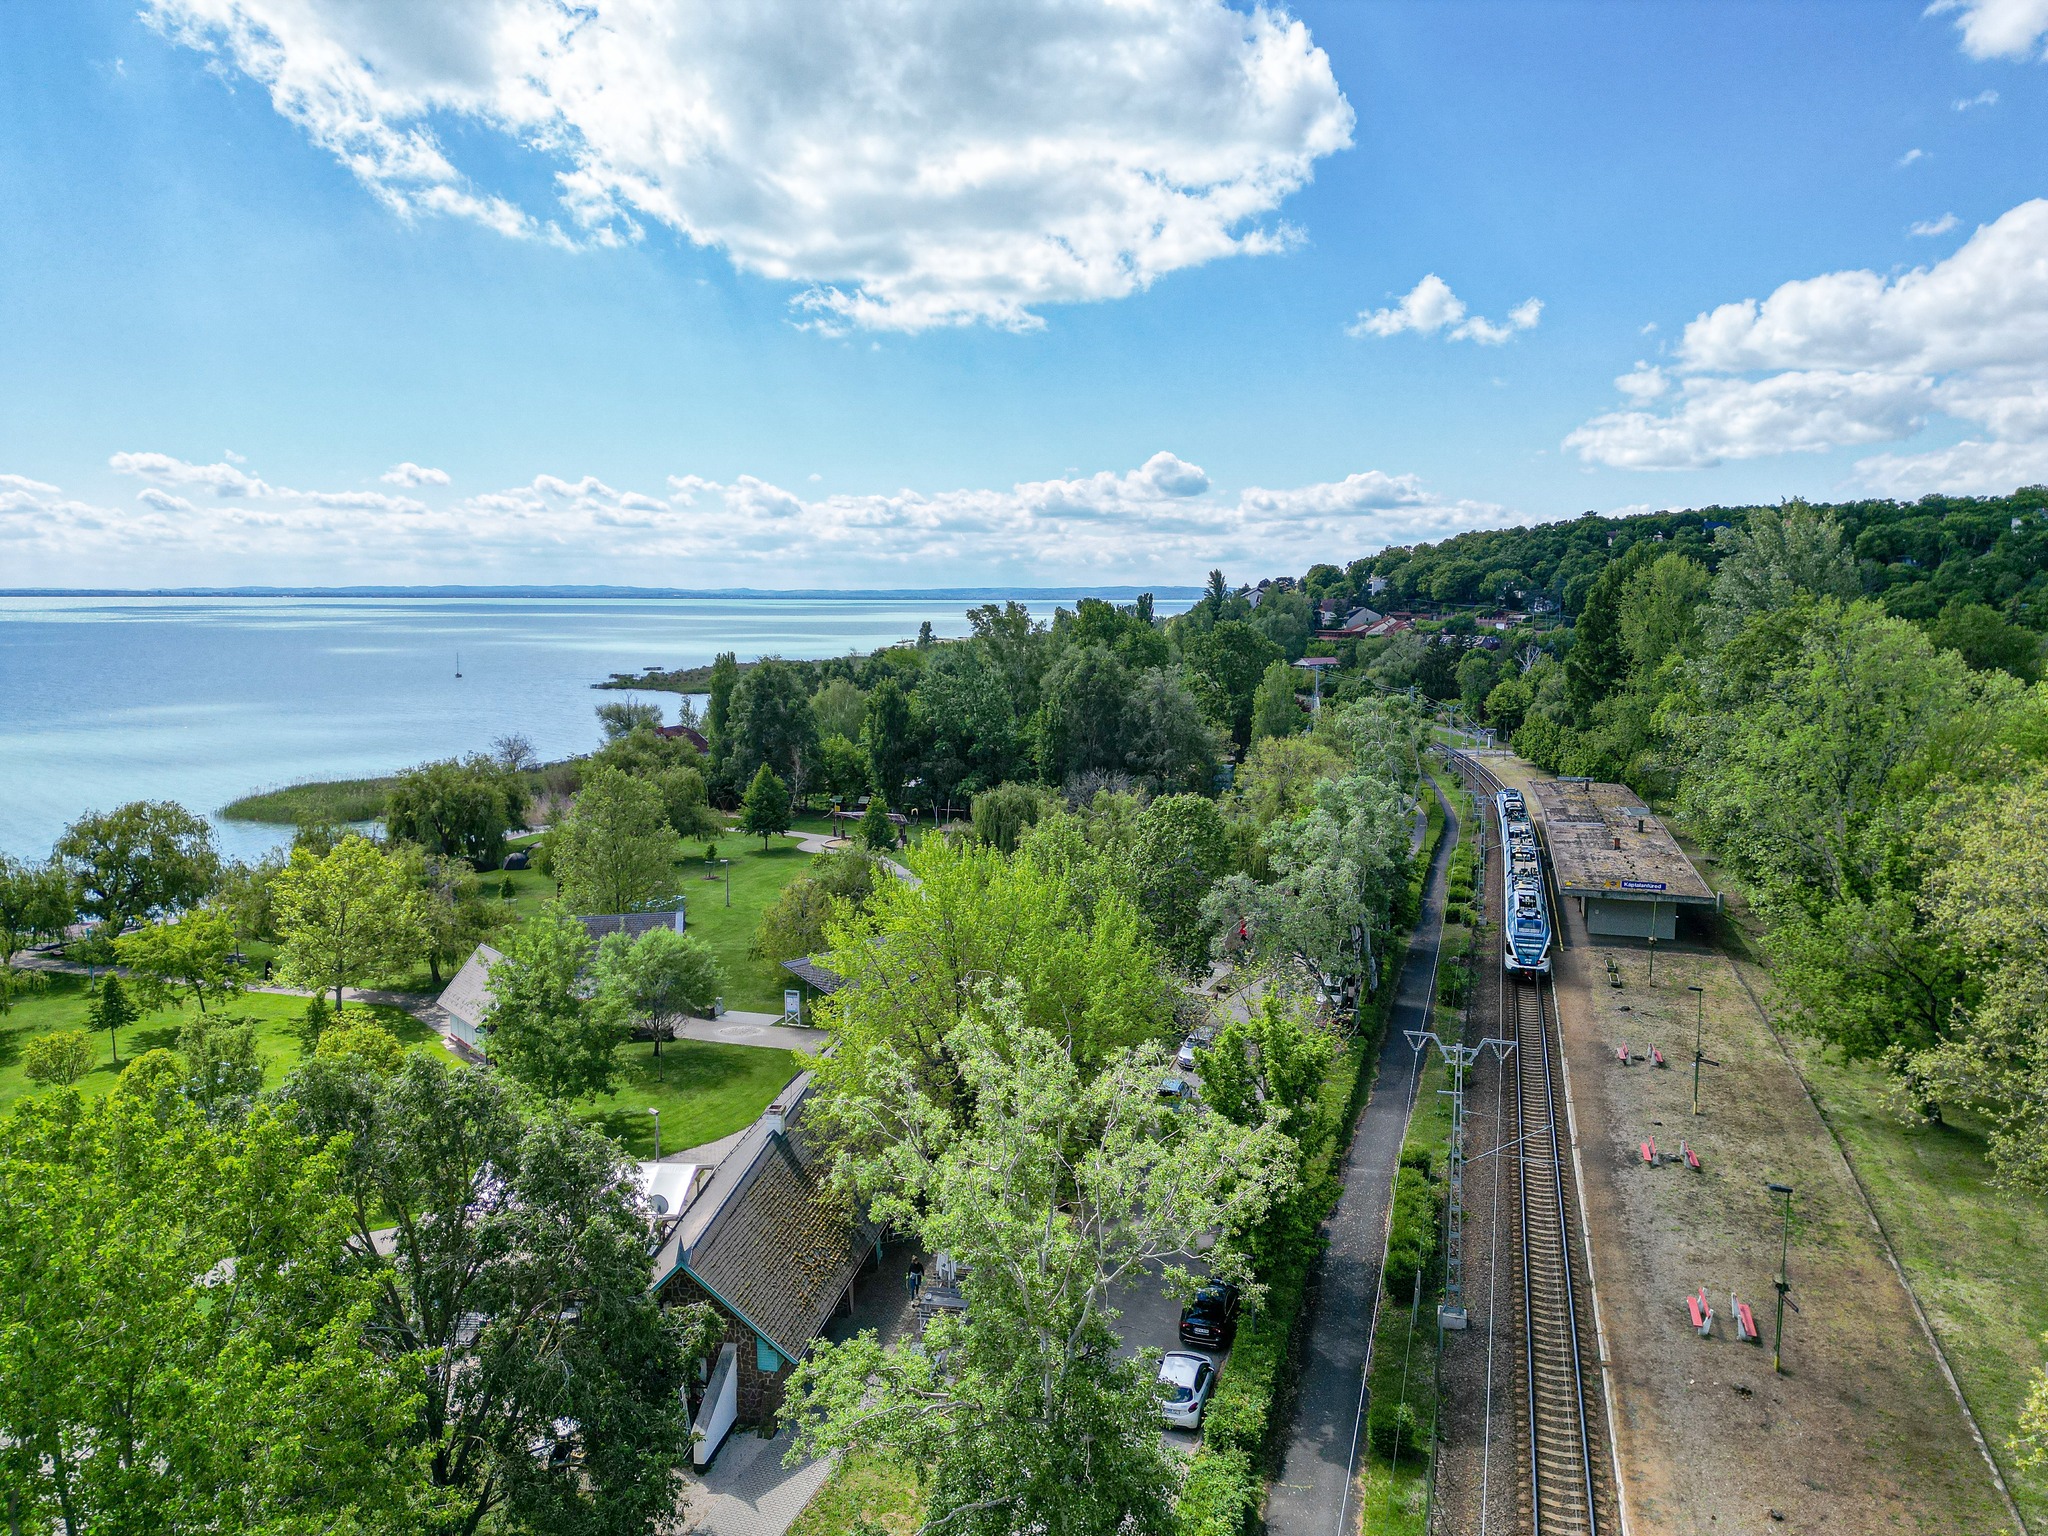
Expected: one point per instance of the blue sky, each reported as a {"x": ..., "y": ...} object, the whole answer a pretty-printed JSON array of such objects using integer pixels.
[{"x": 294, "y": 290}]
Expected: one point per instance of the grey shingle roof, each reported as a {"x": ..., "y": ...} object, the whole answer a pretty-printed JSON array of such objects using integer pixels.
[
  {"x": 809, "y": 970},
  {"x": 468, "y": 994}
]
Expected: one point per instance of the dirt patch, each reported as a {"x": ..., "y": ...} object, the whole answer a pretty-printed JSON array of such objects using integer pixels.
[{"x": 1860, "y": 1433}]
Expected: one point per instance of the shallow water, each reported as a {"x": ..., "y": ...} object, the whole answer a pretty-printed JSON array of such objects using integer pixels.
[{"x": 201, "y": 700}]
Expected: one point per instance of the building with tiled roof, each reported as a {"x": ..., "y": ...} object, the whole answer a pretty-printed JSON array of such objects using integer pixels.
[{"x": 771, "y": 1248}]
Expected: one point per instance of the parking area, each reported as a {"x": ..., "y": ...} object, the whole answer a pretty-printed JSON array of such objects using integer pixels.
[{"x": 1151, "y": 1320}]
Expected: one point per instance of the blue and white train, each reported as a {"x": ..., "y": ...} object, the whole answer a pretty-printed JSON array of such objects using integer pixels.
[{"x": 1526, "y": 920}]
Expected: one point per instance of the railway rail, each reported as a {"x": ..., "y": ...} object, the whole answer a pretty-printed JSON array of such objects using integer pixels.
[{"x": 1563, "y": 1489}]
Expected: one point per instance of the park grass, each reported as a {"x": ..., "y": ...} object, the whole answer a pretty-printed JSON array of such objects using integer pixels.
[
  {"x": 63, "y": 1006},
  {"x": 863, "y": 1488},
  {"x": 704, "y": 1090},
  {"x": 334, "y": 801},
  {"x": 1974, "y": 1253}
]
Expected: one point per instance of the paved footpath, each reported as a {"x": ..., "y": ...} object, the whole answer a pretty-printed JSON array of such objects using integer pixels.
[{"x": 1313, "y": 1494}]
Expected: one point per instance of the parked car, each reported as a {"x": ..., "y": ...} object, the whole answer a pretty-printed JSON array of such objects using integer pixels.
[
  {"x": 1185, "y": 1382},
  {"x": 1211, "y": 1318},
  {"x": 1178, "y": 1089}
]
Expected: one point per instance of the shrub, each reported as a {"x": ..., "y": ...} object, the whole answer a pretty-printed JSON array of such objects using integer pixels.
[
  {"x": 1220, "y": 1494},
  {"x": 1453, "y": 985},
  {"x": 1411, "y": 1236},
  {"x": 1393, "y": 1430},
  {"x": 62, "y": 1056}
]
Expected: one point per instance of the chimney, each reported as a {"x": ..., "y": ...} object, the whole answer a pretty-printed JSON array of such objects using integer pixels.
[
  {"x": 1617, "y": 842},
  {"x": 775, "y": 1118}
]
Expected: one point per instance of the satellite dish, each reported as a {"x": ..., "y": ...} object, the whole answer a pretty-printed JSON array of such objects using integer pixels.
[{"x": 661, "y": 1205}]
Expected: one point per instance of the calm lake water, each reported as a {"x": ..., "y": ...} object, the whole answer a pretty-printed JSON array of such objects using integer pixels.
[{"x": 201, "y": 700}]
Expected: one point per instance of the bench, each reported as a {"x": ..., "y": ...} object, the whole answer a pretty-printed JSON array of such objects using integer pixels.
[
  {"x": 1702, "y": 1314},
  {"x": 1650, "y": 1153},
  {"x": 1745, "y": 1321}
]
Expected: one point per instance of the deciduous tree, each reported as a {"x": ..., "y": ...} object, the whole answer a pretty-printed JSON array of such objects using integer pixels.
[
  {"x": 111, "y": 1010},
  {"x": 460, "y": 809},
  {"x": 765, "y": 811},
  {"x": 615, "y": 851},
  {"x": 143, "y": 860},
  {"x": 662, "y": 977},
  {"x": 348, "y": 919},
  {"x": 62, "y": 1056},
  {"x": 547, "y": 1030},
  {"x": 190, "y": 960}
]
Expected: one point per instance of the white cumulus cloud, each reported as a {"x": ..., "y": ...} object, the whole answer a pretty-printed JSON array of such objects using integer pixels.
[
  {"x": 1981, "y": 99},
  {"x": 1930, "y": 227},
  {"x": 1856, "y": 358},
  {"x": 412, "y": 474},
  {"x": 903, "y": 163},
  {"x": 1431, "y": 308},
  {"x": 1997, "y": 29},
  {"x": 1161, "y": 521}
]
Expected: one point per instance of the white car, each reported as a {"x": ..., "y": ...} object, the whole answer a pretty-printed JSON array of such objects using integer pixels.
[{"x": 1185, "y": 1382}]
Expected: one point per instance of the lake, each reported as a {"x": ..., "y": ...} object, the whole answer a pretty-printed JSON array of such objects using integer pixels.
[{"x": 203, "y": 699}]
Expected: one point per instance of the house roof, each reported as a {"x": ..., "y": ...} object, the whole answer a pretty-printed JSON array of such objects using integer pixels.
[
  {"x": 687, "y": 733},
  {"x": 765, "y": 1237},
  {"x": 808, "y": 970},
  {"x": 633, "y": 923},
  {"x": 468, "y": 993}
]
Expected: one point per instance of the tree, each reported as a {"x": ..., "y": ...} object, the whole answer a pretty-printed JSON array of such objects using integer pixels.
[
  {"x": 1275, "y": 709},
  {"x": 36, "y": 901},
  {"x": 455, "y": 916},
  {"x": 687, "y": 799},
  {"x": 62, "y": 1056},
  {"x": 1976, "y": 633},
  {"x": 518, "y": 1222},
  {"x": 1088, "y": 974},
  {"x": 1271, "y": 1065},
  {"x": 546, "y": 1031},
  {"x": 1082, "y": 713},
  {"x": 967, "y": 721},
  {"x": 111, "y": 1010},
  {"x": 191, "y": 960},
  {"x": 1782, "y": 553},
  {"x": 794, "y": 924},
  {"x": 1180, "y": 849},
  {"x": 1280, "y": 773},
  {"x": 1060, "y": 1186},
  {"x": 772, "y": 724},
  {"x": 1001, "y": 814},
  {"x": 222, "y": 1070},
  {"x": 1224, "y": 667},
  {"x": 144, "y": 860},
  {"x": 627, "y": 716},
  {"x": 876, "y": 832},
  {"x": 725, "y": 677},
  {"x": 765, "y": 811},
  {"x": 614, "y": 851},
  {"x": 460, "y": 809},
  {"x": 888, "y": 738},
  {"x": 1168, "y": 744},
  {"x": 843, "y": 768},
  {"x": 839, "y": 708},
  {"x": 662, "y": 977},
  {"x": 196, "y": 1357},
  {"x": 348, "y": 919}
]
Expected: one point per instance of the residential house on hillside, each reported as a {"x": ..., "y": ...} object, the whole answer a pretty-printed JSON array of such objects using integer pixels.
[
  {"x": 466, "y": 1001},
  {"x": 770, "y": 1248},
  {"x": 688, "y": 733}
]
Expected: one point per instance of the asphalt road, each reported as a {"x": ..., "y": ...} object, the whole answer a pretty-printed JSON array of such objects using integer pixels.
[{"x": 1313, "y": 1494}]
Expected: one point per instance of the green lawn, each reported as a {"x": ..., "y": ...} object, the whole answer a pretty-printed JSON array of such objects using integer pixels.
[
  {"x": 1975, "y": 1254},
  {"x": 863, "y": 1489},
  {"x": 63, "y": 1007},
  {"x": 703, "y": 1090}
]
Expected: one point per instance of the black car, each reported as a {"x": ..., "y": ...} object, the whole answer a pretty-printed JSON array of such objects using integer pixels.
[{"x": 1211, "y": 1318}]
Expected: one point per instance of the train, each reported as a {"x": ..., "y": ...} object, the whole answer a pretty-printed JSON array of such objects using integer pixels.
[{"x": 1525, "y": 923}]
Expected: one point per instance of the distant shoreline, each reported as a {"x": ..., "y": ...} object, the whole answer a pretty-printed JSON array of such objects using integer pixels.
[{"x": 893, "y": 594}]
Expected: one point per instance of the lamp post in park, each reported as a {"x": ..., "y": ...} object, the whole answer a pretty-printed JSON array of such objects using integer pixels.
[
  {"x": 657, "y": 1133},
  {"x": 1699, "y": 1030},
  {"x": 1784, "y": 1253}
]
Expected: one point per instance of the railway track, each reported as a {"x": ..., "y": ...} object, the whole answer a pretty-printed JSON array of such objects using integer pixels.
[
  {"x": 1564, "y": 1444},
  {"x": 1562, "y": 1496}
]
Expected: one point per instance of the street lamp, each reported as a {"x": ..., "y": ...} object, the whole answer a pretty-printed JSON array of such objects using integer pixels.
[
  {"x": 1784, "y": 1252},
  {"x": 1653, "y": 945},
  {"x": 657, "y": 1133},
  {"x": 728, "y": 880},
  {"x": 1698, "y": 1036}
]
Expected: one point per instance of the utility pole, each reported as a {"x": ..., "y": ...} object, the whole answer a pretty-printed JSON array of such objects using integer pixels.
[
  {"x": 1457, "y": 1057},
  {"x": 1699, "y": 1029},
  {"x": 1784, "y": 1285}
]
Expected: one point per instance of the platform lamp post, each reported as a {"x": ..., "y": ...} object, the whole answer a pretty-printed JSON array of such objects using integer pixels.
[
  {"x": 657, "y": 1133},
  {"x": 1699, "y": 1031},
  {"x": 1784, "y": 1253},
  {"x": 1653, "y": 944}
]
